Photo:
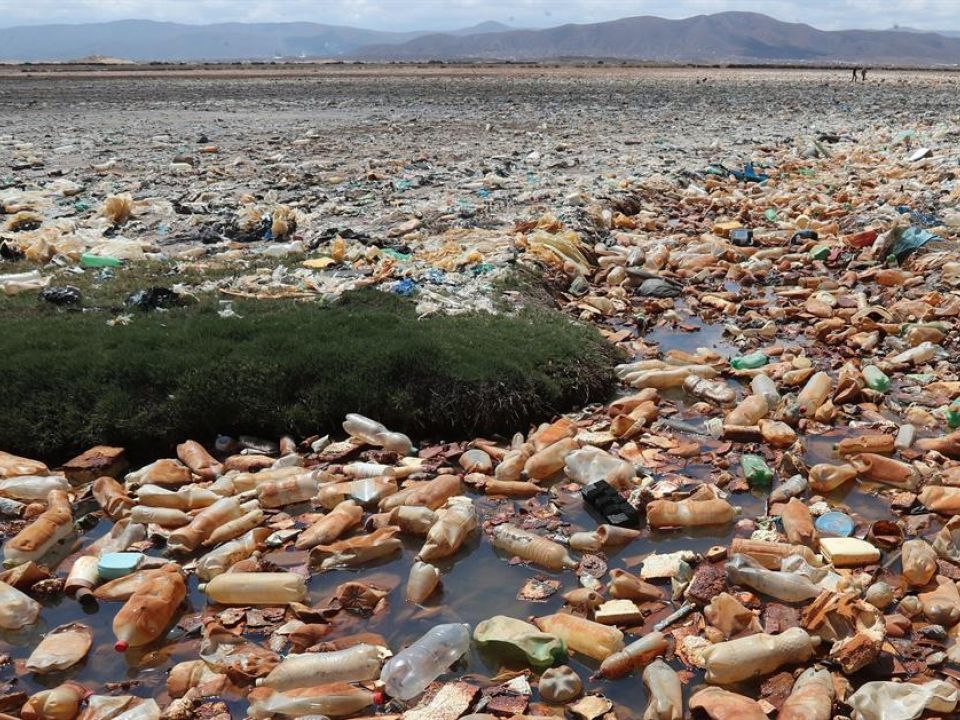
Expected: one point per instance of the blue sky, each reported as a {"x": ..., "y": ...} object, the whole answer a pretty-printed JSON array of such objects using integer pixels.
[{"x": 449, "y": 14}]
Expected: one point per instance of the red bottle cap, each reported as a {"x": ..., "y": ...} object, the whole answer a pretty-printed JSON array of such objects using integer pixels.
[
  {"x": 121, "y": 645},
  {"x": 379, "y": 697}
]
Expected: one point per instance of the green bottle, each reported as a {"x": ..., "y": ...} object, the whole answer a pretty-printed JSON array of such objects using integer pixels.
[
  {"x": 876, "y": 379},
  {"x": 953, "y": 415},
  {"x": 770, "y": 214},
  {"x": 820, "y": 252},
  {"x": 98, "y": 261},
  {"x": 749, "y": 362},
  {"x": 756, "y": 471}
]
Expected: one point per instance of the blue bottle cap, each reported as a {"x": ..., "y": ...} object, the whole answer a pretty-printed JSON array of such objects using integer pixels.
[{"x": 835, "y": 524}]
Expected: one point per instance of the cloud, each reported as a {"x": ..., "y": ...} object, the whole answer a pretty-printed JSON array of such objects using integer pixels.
[{"x": 450, "y": 14}]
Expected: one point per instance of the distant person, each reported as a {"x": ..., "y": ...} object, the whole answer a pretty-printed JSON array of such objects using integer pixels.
[
  {"x": 863, "y": 74},
  {"x": 855, "y": 70}
]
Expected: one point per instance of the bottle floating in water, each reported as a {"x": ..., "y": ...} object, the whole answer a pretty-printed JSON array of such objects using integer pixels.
[
  {"x": 756, "y": 470},
  {"x": 749, "y": 362},
  {"x": 876, "y": 379},
  {"x": 408, "y": 673}
]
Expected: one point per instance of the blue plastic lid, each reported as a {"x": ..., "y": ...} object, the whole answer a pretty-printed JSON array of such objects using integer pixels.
[
  {"x": 115, "y": 565},
  {"x": 835, "y": 524}
]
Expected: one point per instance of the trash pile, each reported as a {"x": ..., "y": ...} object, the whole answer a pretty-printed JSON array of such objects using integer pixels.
[{"x": 764, "y": 523}]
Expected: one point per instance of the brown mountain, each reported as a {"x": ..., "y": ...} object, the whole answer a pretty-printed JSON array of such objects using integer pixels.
[{"x": 738, "y": 37}]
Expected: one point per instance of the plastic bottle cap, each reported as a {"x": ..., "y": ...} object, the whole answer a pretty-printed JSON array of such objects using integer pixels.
[
  {"x": 121, "y": 645},
  {"x": 202, "y": 587},
  {"x": 379, "y": 697},
  {"x": 835, "y": 523}
]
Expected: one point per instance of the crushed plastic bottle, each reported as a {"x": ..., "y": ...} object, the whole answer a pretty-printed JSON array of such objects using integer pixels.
[{"x": 408, "y": 673}]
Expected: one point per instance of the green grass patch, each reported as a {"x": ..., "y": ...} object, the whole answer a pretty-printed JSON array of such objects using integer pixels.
[{"x": 71, "y": 380}]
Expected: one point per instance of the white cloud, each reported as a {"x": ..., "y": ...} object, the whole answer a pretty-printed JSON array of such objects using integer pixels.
[{"x": 449, "y": 14}]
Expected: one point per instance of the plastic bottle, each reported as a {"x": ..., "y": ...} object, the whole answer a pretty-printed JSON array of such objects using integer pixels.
[
  {"x": 455, "y": 522},
  {"x": 287, "y": 492},
  {"x": 876, "y": 379},
  {"x": 162, "y": 516},
  {"x": 793, "y": 487},
  {"x": 583, "y": 636},
  {"x": 866, "y": 444},
  {"x": 762, "y": 385},
  {"x": 83, "y": 577},
  {"x": 17, "y": 610},
  {"x": 825, "y": 477},
  {"x": 920, "y": 354},
  {"x": 149, "y": 610},
  {"x": 121, "y": 536},
  {"x": 882, "y": 469},
  {"x": 408, "y": 673},
  {"x": 756, "y": 471},
  {"x": 626, "y": 585},
  {"x": 274, "y": 588},
  {"x": 551, "y": 460},
  {"x": 189, "y": 537},
  {"x": 432, "y": 494},
  {"x": 195, "y": 456},
  {"x": 354, "y": 664},
  {"x": 715, "y": 390},
  {"x": 189, "y": 497},
  {"x": 785, "y": 586},
  {"x": 750, "y": 410},
  {"x": 49, "y": 528},
  {"x": 948, "y": 445},
  {"x": 32, "y": 487},
  {"x": 637, "y": 653},
  {"x": 777, "y": 433},
  {"x": 423, "y": 580},
  {"x": 814, "y": 394},
  {"x": 251, "y": 519},
  {"x": 312, "y": 703},
  {"x": 59, "y": 703},
  {"x": 754, "y": 655},
  {"x": 689, "y": 513},
  {"x": 798, "y": 523},
  {"x": 749, "y": 362},
  {"x": 590, "y": 463},
  {"x": 919, "y": 562},
  {"x": 112, "y": 497},
  {"x": 219, "y": 560},
  {"x": 373, "y": 433},
  {"x": 331, "y": 526},
  {"x": 664, "y": 692},
  {"x": 769, "y": 555},
  {"x": 953, "y": 415},
  {"x": 665, "y": 378},
  {"x": 532, "y": 548},
  {"x": 942, "y": 605}
]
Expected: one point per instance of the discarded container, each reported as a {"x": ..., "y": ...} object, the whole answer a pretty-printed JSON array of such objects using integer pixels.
[
  {"x": 689, "y": 513},
  {"x": 408, "y": 673},
  {"x": 749, "y": 362},
  {"x": 246, "y": 588},
  {"x": 735, "y": 660},
  {"x": 39, "y": 537},
  {"x": 532, "y": 548},
  {"x": 149, "y": 610},
  {"x": 354, "y": 664},
  {"x": 638, "y": 653},
  {"x": 756, "y": 471},
  {"x": 583, "y": 636},
  {"x": 333, "y": 700},
  {"x": 373, "y": 433},
  {"x": 506, "y": 635}
]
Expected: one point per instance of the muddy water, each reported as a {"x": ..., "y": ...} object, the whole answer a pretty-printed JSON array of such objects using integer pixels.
[{"x": 477, "y": 584}]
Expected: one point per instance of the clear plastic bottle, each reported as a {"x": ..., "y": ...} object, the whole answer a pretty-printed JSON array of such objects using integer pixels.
[
  {"x": 408, "y": 673},
  {"x": 375, "y": 433},
  {"x": 277, "y": 588},
  {"x": 218, "y": 561},
  {"x": 749, "y": 412},
  {"x": 762, "y": 385},
  {"x": 814, "y": 394},
  {"x": 149, "y": 610},
  {"x": 162, "y": 516},
  {"x": 715, "y": 390}
]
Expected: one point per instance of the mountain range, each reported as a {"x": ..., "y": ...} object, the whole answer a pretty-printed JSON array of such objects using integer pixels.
[{"x": 728, "y": 37}]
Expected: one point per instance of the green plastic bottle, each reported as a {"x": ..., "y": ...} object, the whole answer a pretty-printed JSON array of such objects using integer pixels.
[
  {"x": 756, "y": 471},
  {"x": 98, "y": 261},
  {"x": 820, "y": 252},
  {"x": 953, "y": 415},
  {"x": 749, "y": 362},
  {"x": 876, "y": 379}
]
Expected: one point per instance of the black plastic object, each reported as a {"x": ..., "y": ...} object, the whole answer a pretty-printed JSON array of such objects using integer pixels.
[
  {"x": 65, "y": 295},
  {"x": 153, "y": 298},
  {"x": 742, "y": 237},
  {"x": 609, "y": 505}
]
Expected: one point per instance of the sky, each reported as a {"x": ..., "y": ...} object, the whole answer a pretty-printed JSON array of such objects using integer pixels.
[{"x": 404, "y": 15}]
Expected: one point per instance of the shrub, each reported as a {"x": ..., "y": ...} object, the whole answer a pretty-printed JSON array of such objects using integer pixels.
[{"x": 72, "y": 381}]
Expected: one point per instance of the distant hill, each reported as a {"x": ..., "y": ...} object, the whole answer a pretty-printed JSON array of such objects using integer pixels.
[
  {"x": 724, "y": 37},
  {"x": 145, "y": 40},
  {"x": 731, "y": 37}
]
